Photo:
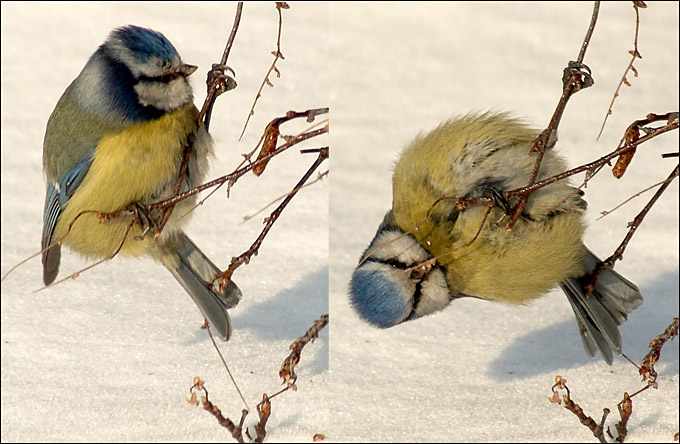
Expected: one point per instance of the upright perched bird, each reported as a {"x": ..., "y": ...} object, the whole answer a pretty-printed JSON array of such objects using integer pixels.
[
  {"x": 115, "y": 141},
  {"x": 472, "y": 156}
]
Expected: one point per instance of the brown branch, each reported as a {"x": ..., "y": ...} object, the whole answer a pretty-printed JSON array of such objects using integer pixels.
[
  {"x": 576, "y": 76},
  {"x": 277, "y": 55},
  {"x": 625, "y": 406},
  {"x": 287, "y": 371},
  {"x": 264, "y": 406},
  {"x": 647, "y": 368},
  {"x": 632, "y": 135},
  {"x": 235, "y": 430},
  {"x": 218, "y": 83},
  {"x": 569, "y": 404},
  {"x": 225, "y": 277},
  {"x": 272, "y": 133},
  {"x": 103, "y": 218},
  {"x": 232, "y": 177},
  {"x": 618, "y": 254},
  {"x": 636, "y": 54},
  {"x": 264, "y": 410}
]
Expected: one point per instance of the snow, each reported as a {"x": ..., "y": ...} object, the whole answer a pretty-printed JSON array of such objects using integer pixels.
[{"x": 111, "y": 355}]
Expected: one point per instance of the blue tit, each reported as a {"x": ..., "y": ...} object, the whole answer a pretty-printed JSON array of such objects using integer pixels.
[
  {"x": 116, "y": 140},
  {"x": 417, "y": 265}
]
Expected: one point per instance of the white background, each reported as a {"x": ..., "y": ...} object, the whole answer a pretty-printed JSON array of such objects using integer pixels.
[{"x": 110, "y": 356}]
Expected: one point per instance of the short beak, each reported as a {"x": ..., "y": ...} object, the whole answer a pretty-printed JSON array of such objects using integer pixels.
[{"x": 187, "y": 70}]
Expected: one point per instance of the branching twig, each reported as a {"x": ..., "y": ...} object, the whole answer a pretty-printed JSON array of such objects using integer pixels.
[
  {"x": 569, "y": 404},
  {"x": 232, "y": 177},
  {"x": 647, "y": 368},
  {"x": 225, "y": 277},
  {"x": 287, "y": 371},
  {"x": 263, "y": 407},
  {"x": 636, "y": 55},
  {"x": 103, "y": 218},
  {"x": 625, "y": 407},
  {"x": 218, "y": 83},
  {"x": 633, "y": 226},
  {"x": 277, "y": 55},
  {"x": 271, "y": 135},
  {"x": 576, "y": 76},
  {"x": 235, "y": 430}
]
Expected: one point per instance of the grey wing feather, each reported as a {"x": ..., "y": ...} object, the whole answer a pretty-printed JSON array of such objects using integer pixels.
[
  {"x": 56, "y": 197},
  {"x": 599, "y": 315},
  {"x": 52, "y": 257},
  {"x": 195, "y": 271}
]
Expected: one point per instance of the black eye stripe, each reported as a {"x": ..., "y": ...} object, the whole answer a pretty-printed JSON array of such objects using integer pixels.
[
  {"x": 414, "y": 275},
  {"x": 165, "y": 78},
  {"x": 392, "y": 262}
]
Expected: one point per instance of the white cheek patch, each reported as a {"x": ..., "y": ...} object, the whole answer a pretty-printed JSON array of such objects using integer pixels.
[
  {"x": 434, "y": 294},
  {"x": 165, "y": 96},
  {"x": 394, "y": 244}
]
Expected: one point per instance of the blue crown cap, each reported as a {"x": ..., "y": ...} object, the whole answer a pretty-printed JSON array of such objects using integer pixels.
[
  {"x": 378, "y": 299},
  {"x": 145, "y": 43}
]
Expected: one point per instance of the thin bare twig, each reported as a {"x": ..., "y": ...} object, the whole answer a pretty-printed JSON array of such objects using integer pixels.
[
  {"x": 287, "y": 371},
  {"x": 618, "y": 254},
  {"x": 263, "y": 407},
  {"x": 625, "y": 406},
  {"x": 207, "y": 327},
  {"x": 576, "y": 76},
  {"x": 638, "y": 194},
  {"x": 647, "y": 368},
  {"x": 319, "y": 177},
  {"x": 75, "y": 275},
  {"x": 277, "y": 55},
  {"x": 225, "y": 277},
  {"x": 232, "y": 177},
  {"x": 635, "y": 55},
  {"x": 217, "y": 83}
]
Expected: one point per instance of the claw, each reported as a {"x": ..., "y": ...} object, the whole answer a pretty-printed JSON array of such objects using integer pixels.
[
  {"x": 222, "y": 82},
  {"x": 143, "y": 217},
  {"x": 498, "y": 199},
  {"x": 579, "y": 75}
]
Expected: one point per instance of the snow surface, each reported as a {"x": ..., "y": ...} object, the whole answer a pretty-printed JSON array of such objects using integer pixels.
[{"x": 111, "y": 355}]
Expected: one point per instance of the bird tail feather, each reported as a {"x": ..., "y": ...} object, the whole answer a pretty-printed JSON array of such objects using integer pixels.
[
  {"x": 195, "y": 272},
  {"x": 599, "y": 315}
]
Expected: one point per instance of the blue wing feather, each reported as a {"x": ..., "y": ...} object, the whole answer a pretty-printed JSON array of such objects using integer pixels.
[{"x": 56, "y": 198}]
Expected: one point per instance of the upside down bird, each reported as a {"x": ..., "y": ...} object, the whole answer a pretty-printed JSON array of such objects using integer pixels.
[
  {"x": 115, "y": 141},
  {"x": 473, "y": 156}
]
